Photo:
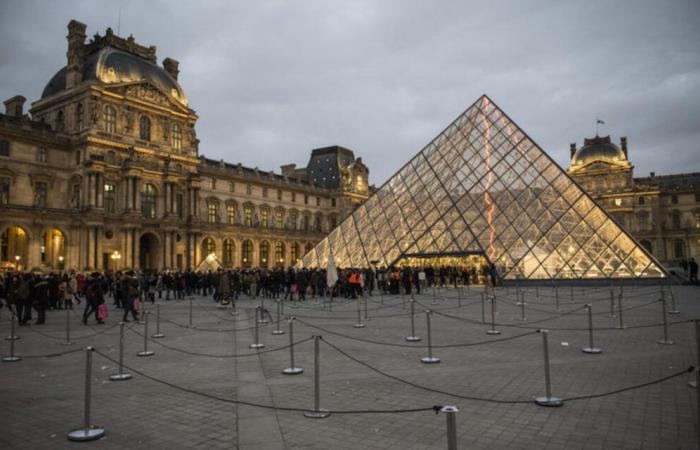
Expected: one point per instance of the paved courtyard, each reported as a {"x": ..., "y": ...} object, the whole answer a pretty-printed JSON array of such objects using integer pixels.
[{"x": 363, "y": 370}]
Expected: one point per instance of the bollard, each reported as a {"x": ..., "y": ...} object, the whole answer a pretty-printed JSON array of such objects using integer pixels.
[
  {"x": 522, "y": 317},
  {"x": 146, "y": 351},
  {"x": 261, "y": 318},
  {"x": 12, "y": 357},
  {"x": 522, "y": 299},
  {"x": 88, "y": 432},
  {"x": 413, "y": 337},
  {"x": 665, "y": 340},
  {"x": 292, "y": 369},
  {"x": 612, "y": 304},
  {"x": 673, "y": 309},
  {"x": 190, "y": 312},
  {"x": 483, "y": 308},
  {"x": 548, "y": 400},
  {"x": 620, "y": 323},
  {"x": 277, "y": 330},
  {"x": 257, "y": 343},
  {"x": 493, "y": 329},
  {"x": 430, "y": 359},
  {"x": 556, "y": 296},
  {"x": 592, "y": 349},
  {"x": 450, "y": 412},
  {"x": 121, "y": 376},
  {"x": 12, "y": 336},
  {"x": 359, "y": 323},
  {"x": 158, "y": 334},
  {"x": 67, "y": 341},
  {"x": 234, "y": 311},
  {"x": 317, "y": 412}
]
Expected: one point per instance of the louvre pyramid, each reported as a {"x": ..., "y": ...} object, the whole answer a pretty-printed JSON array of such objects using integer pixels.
[{"x": 483, "y": 186}]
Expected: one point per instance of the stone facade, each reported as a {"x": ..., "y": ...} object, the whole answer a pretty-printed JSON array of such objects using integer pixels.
[
  {"x": 661, "y": 212},
  {"x": 106, "y": 173}
]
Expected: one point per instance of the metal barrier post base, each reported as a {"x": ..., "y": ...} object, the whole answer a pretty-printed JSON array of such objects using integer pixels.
[
  {"x": 665, "y": 342},
  {"x": 11, "y": 359},
  {"x": 146, "y": 353},
  {"x": 359, "y": 325},
  {"x": 276, "y": 332},
  {"x": 591, "y": 350},
  {"x": 158, "y": 336},
  {"x": 317, "y": 414},
  {"x": 86, "y": 434},
  {"x": 412, "y": 338},
  {"x": 257, "y": 345},
  {"x": 493, "y": 332},
  {"x": 293, "y": 371},
  {"x": 11, "y": 338},
  {"x": 430, "y": 360},
  {"x": 68, "y": 343},
  {"x": 120, "y": 377},
  {"x": 693, "y": 384},
  {"x": 673, "y": 311},
  {"x": 549, "y": 401}
]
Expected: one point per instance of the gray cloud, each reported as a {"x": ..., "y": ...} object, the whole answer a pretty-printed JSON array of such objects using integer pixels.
[{"x": 273, "y": 79}]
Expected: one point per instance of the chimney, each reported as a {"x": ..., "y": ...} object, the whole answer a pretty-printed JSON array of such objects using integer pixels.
[
  {"x": 172, "y": 67},
  {"x": 652, "y": 174},
  {"x": 75, "y": 54},
  {"x": 15, "y": 106},
  {"x": 572, "y": 149},
  {"x": 623, "y": 145}
]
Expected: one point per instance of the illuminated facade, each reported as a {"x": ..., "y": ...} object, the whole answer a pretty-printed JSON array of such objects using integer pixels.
[
  {"x": 482, "y": 187},
  {"x": 107, "y": 173}
]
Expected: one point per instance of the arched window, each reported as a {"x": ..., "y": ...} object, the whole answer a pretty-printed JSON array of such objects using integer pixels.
[
  {"x": 679, "y": 249},
  {"x": 109, "y": 116},
  {"x": 208, "y": 247},
  {"x": 212, "y": 212},
  {"x": 229, "y": 248},
  {"x": 306, "y": 222},
  {"x": 294, "y": 253},
  {"x": 293, "y": 219},
  {"x": 79, "y": 117},
  {"x": 279, "y": 219},
  {"x": 264, "y": 253},
  {"x": 231, "y": 214},
  {"x": 247, "y": 253},
  {"x": 248, "y": 216},
  {"x": 643, "y": 220},
  {"x": 148, "y": 201},
  {"x": 176, "y": 137},
  {"x": 264, "y": 217},
  {"x": 145, "y": 128},
  {"x": 60, "y": 121},
  {"x": 279, "y": 254}
]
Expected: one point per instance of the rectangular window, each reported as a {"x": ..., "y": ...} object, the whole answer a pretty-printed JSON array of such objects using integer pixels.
[
  {"x": 294, "y": 196},
  {"x": 264, "y": 189},
  {"x": 212, "y": 183},
  {"x": 42, "y": 155},
  {"x": 40, "y": 192},
  {"x": 334, "y": 221},
  {"x": 318, "y": 201},
  {"x": 248, "y": 216},
  {"x": 248, "y": 189},
  {"x": 264, "y": 218},
  {"x": 333, "y": 202},
  {"x": 109, "y": 198},
  {"x": 306, "y": 199},
  {"x": 4, "y": 148},
  {"x": 232, "y": 186},
  {"x": 231, "y": 214},
  {"x": 279, "y": 219},
  {"x": 211, "y": 212},
  {"x": 4, "y": 191},
  {"x": 641, "y": 200},
  {"x": 279, "y": 194},
  {"x": 674, "y": 199},
  {"x": 178, "y": 205}
]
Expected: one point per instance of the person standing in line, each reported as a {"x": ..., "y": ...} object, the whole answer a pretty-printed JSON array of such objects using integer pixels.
[
  {"x": 94, "y": 297},
  {"x": 42, "y": 296},
  {"x": 130, "y": 286}
]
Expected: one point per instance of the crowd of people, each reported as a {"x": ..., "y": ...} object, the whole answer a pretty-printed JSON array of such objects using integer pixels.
[{"x": 28, "y": 293}]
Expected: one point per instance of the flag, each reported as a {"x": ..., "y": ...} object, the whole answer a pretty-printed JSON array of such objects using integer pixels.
[
  {"x": 599, "y": 121},
  {"x": 331, "y": 271}
]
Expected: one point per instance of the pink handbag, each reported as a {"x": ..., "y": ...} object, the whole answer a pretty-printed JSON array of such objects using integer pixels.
[{"x": 102, "y": 311}]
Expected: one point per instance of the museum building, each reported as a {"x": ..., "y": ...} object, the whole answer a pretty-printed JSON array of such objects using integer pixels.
[{"x": 105, "y": 172}]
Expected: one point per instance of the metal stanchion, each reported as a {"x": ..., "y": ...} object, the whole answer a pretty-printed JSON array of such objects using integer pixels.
[
  {"x": 493, "y": 329},
  {"x": 413, "y": 337},
  {"x": 620, "y": 322},
  {"x": 190, "y": 312},
  {"x": 571, "y": 293},
  {"x": 146, "y": 351},
  {"x": 451, "y": 412},
  {"x": 695, "y": 383},
  {"x": 261, "y": 318},
  {"x": 257, "y": 343},
  {"x": 434, "y": 302},
  {"x": 665, "y": 340},
  {"x": 364, "y": 307},
  {"x": 547, "y": 400},
  {"x": 12, "y": 336},
  {"x": 430, "y": 359},
  {"x": 612, "y": 303},
  {"x": 317, "y": 412},
  {"x": 522, "y": 317},
  {"x": 292, "y": 369},
  {"x": 556, "y": 296},
  {"x": 359, "y": 323},
  {"x": 459, "y": 297},
  {"x": 673, "y": 309},
  {"x": 522, "y": 299},
  {"x": 591, "y": 348},
  {"x": 158, "y": 334},
  {"x": 483, "y": 308},
  {"x": 121, "y": 376},
  {"x": 12, "y": 357},
  {"x": 67, "y": 341},
  {"x": 234, "y": 310},
  {"x": 88, "y": 432},
  {"x": 277, "y": 330}
]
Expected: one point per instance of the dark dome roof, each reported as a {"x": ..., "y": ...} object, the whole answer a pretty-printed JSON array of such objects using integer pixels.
[
  {"x": 109, "y": 65},
  {"x": 598, "y": 149}
]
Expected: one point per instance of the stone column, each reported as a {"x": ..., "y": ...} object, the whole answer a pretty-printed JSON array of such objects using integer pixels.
[
  {"x": 167, "y": 249},
  {"x": 98, "y": 248},
  {"x": 137, "y": 248},
  {"x": 126, "y": 248},
  {"x": 100, "y": 188},
  {"x": 137, "y": 193}
]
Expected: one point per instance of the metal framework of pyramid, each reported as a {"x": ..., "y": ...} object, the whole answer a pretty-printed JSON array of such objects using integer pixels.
[{"x": 482, "y": 186}]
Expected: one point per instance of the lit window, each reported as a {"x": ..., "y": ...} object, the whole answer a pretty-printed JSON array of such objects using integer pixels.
[
  {"x": 279, "y": 219},
  {"x": 228, "y": 252},
  {"x": 109, "y": 116},
  {"x": 264, "y": 253},
  {"x": 248, "y": 216},
  {"x": 231, "y": 214},
  {"x": 176, "y": 137},
  {"x": 279, "y": 254},
  {"x": 212, "y": 212},
  {"x": 247, "y": 253},
  {"x": 109, "y": 198},
  {"x": 264, "y": 217},
  {"x": 618, "y": 202},
  {"x": 148, "y": 201},
  {"x": 212, "y": 183},
  {"x": 145, "y": 128},
  {"x": 41, "y": 155},
  {"x": 232, "y": 186}
]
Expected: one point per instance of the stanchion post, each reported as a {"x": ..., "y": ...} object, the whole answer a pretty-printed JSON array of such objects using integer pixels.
[
  {"x": 556, "y": 296},
  {"x": 620, "y": 322},
  {"x": 317, "y": 412},
  {"x": 665, "y": 340},
  {"x": 673, "y": 309},
  {"x": 158, "y": 334},
  {"x": 612, "y": 303},
  {"x": 459, "y": 296},
  {"x": 521, "y": 301},
  {"x": 364, "y": 307},
  {"x": 493, "y": 329},
  {"x": 359, "y": 323},
  {"x": 257, "y": 343},
  {"x": 292, "y": 369},
  {"x": 451, "y": 413},
  {"x": 412, "y": 337},
  {"x": 261, "y": 316},
  {"x": 88, "y": 432},
  {"x": 12, "y": 336},
  {"x": 695, "y": 383},
  {"x": 12, "y": 357},
  {"x": 146, "y": 351},
  {"x": 67, "y": 341},
  {"x": 483, "y": 308},
  {"x": 277, "y": 329},
  {"x": 547, "y": 400},
  {"x": 522, "y": 317},
  {"x": 592, "y": 349},
  {"x": 190, "y": 312},
  {"x": 121, "y": 376},
  {"x": 430, "y": 359}
]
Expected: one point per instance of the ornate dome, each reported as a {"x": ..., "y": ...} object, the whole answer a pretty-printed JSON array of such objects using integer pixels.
[
  {"x": 598, "y": 149},
  {"x": 110, "y": 66}
]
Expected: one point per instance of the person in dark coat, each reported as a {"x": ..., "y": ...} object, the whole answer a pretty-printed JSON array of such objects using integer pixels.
[
  {"x": 94, "y": 296},
  {"x": 42, "y": 298}
]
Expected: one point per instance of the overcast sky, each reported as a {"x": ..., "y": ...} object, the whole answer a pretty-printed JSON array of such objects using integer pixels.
[{"x": 271, "y": 80}]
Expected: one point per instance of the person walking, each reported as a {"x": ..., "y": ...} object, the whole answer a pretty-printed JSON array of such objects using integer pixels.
[
  {"x": 94, "y": 297},
  {"x": 130, "y": 286}
]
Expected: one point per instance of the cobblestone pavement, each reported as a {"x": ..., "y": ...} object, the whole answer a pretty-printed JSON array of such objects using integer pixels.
[{"x": 42, "y": 397}]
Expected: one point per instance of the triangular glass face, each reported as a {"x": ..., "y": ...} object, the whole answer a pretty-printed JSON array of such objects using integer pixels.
[{"x": 483, "y": 186}]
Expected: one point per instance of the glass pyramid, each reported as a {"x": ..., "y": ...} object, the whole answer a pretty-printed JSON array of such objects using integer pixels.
[{"x": 482, "y": 186}]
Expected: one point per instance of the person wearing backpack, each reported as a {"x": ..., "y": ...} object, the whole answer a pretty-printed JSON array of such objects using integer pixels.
[{"x": 94, "y": 297}]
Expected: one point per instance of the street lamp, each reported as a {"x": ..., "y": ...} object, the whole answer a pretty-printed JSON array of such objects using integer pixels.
[
  {"x": 116, "y": 256},
  {"x": 17, "y": 258},
  {"x": 60, "y": 262}
]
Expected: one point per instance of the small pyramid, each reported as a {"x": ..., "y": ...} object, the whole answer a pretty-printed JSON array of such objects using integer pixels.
[{"x": 482, "y": 186}]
